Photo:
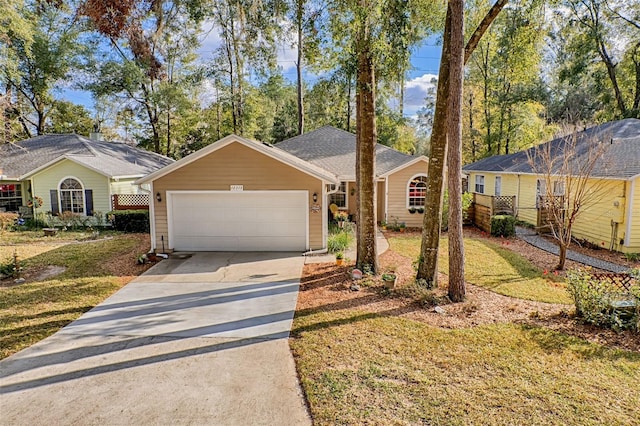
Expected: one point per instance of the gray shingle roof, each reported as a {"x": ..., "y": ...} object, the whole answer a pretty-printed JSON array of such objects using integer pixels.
[
  {"x": 335, "y": 151},
  {"x": 621, "y": 157},
  {"x": 110, "y": 158}
]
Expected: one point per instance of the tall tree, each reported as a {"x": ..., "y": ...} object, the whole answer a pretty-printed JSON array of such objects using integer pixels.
[
  {"x": 40, "y": 55},
  {"x": 153, "y": 42},
  {"x": 428, "y": 260},
  {"x": 454, "y": 153}
]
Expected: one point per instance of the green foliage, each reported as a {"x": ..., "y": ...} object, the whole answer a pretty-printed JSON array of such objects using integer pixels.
[
  {"x": 339, "y": 240},
  {"x": 634, "y": 257},
  {"x": 602, "y": 303},
  {"x": 503, "y": 226},
  {"x": 130, "y": 220},
  {"x": 467, "y": 200}
]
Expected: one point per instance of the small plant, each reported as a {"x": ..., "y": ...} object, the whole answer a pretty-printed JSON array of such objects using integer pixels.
[
  {"x": 339, "y": 240},
  {"x": 388, "y": 276},
  {"x": 341, "y": 216},
  {"x": 339, "y": 255},
  {"x": 420, "y": 210},
  {"x": 12, "y": 267},
  {"x": 383, "y": 224},
  {"x": 402, "y": 226},
  {"x": 633, "y": 257},
  {"x": 601, "y": 303},
  {"x": 412, "y": 210}
]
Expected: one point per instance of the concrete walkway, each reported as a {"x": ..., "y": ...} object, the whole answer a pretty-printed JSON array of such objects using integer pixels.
[
  {"x": 201, "y": 340},
  {"x": 531, "y": 237}
]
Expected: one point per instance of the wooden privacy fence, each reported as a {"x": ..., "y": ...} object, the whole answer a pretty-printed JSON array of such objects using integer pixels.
[
  {"x": 130, "y": 201},
  {"x": 485, "y": 206}
]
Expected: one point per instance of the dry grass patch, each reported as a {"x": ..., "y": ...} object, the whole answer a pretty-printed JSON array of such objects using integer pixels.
[
  {"x": 370, "y": 368},
  {"x": 93, "y": 271}
]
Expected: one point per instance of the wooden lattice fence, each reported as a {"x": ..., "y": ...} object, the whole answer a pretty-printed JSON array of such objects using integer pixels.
[{"x": 130, "y": 201}]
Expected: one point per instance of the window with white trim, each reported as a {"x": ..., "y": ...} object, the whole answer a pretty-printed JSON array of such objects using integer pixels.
[
  {"x": 416, "y": 191},
  {"x": 71, "y": 195},
  {"x": 498, "y": 186},
  {"x": 480, "y": 184},
  {"x": 10, "y": 197},
  {"x": 339, "y": 198}
]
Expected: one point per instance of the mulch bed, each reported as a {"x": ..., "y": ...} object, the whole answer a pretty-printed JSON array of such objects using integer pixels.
[{"x": 326, "y": 286}]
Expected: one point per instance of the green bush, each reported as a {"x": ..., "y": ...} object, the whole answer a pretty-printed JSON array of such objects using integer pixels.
[
  {"x": 503, "y": 226},
  {"x": 598, "y": 301},
  {"x": 130, "y": 220},
  {"x": 339, "y": 241},
  {"x": 467, "y": 200}
]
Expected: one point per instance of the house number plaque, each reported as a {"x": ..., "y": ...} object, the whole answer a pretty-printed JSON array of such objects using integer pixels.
[{"x": 236, "y": 188}]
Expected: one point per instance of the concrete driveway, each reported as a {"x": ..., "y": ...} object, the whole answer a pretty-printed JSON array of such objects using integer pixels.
[{"x": 199, "y": 340}]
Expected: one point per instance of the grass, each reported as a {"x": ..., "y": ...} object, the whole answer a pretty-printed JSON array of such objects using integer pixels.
[
  {"x": 494, "y": 267},
  {"x": 367, "y": 368},
  {"x": 339, "y": 239},
  {"x": 30, "y": 312},
  {"x": 31, "y": 237}
]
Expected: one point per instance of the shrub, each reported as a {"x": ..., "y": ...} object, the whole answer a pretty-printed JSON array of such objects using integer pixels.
[
  {"x": 339, "y": 241},
  {"x": 634, "y": 257},
  {"x": 130, "y": 220},
  {"x": 597, "y": 301},
  {"x": 503, "y": 226},
  {"x": 7, "y": 221},
  {"x": 467, "y": 200}
]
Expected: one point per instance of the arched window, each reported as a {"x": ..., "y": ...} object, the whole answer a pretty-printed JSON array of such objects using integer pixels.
[
  {"x": 71, "y": 196},
  {"x": 416, "y": 191}
]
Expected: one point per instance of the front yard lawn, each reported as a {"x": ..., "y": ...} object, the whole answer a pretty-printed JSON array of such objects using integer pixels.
[
  {"x": 90, "y": 272},
  {"x": 383, "y": 358},
  {"x": 364, "y": 368},
  {"x": 494, "y": 267}
]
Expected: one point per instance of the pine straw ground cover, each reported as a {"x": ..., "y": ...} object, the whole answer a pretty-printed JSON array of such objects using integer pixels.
[
  {"x": 379, "y": 357},
  {"x": 86, "y": 274}
]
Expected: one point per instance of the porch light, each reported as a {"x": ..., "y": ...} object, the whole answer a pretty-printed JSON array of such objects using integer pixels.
[
  {"x": 315, "y": 197},
  {"x": 158, "y": 197}
]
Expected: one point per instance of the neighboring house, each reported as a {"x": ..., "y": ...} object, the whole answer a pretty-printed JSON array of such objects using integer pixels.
[
  {"x": 241, "y": 195},
  {"x": 401, "y": 178},
  {"x": 71, "y": 173},
  {"x": 508, "y": 183}
]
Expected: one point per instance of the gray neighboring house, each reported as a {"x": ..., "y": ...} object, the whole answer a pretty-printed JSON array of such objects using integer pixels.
[
  {"x": 69, "y": 172},
  {"x": 401, "y": 178}
]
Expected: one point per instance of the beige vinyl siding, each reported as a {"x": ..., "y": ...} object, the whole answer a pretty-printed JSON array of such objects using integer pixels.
[
  {"x": 397, "y": 195},
  {"x": 51, "y": 177},
  {"x": 125, "y": 186},
  {"x": 236, "y": 164}
]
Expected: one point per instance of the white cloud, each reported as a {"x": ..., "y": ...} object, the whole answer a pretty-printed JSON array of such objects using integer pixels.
[{"x": 415, "y": 92}]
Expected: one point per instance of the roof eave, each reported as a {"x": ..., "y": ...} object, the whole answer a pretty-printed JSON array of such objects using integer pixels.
[{"x": 405, "y": 165}]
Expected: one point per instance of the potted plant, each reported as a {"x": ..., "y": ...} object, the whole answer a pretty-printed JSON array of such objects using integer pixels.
[
  {"x": 420, "y": 210},
  {"x": 389, "y": 279},
  {"x": 412, "y": 210},
  {"x": 339, "y": 258},
  {"x": 403, "y": 226},
  {"x": 341, "y": 217},
  {"x": 383, "y": 225}
]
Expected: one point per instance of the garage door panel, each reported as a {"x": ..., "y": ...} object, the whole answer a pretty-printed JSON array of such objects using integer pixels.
[{"x": 246, "y": 221}]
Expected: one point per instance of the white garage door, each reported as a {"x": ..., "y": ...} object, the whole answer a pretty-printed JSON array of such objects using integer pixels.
[{"x": 238, "y": 221}]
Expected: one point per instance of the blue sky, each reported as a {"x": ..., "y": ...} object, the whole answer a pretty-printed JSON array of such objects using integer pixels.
[{"x": 424, "y": 60}]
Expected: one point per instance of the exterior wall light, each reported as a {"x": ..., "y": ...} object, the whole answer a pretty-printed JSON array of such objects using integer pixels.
[
  {"x": 158, "y": 197},
  {"x": 315, "y": 197}
]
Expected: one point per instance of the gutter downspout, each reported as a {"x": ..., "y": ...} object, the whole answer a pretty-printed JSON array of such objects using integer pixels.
[{"x": 627, "y": 232}]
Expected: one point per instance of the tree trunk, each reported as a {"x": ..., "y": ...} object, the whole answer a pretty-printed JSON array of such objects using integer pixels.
[
  {"x": 611, "y": 71},
  {"x": 454, "y": 152},
  {"x": 428, "y": 260},
  {"x": 299, "y": 69},
  {"x": 562, "y": 257},
  {"x": 366, "y": 137}
]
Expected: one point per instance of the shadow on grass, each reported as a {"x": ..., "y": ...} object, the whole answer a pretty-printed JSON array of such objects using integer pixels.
[{"x": 556, "y": 342}]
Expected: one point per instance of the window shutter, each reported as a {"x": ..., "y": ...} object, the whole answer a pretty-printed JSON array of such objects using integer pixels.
[
  {"x": 53, "y": 194},
  {"x": 88, "y": 199}
]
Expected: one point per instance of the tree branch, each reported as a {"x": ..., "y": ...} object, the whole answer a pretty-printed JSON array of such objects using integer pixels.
[{"x": 483, "y": 27}]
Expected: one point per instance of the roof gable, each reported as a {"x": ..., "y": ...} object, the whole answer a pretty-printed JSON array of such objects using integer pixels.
[
  {"x": 113, "y": 159},
  {"x": 620, "y": 160},
  {"x": 334, "y": 150},
  {"x": 266, "y": 149}
]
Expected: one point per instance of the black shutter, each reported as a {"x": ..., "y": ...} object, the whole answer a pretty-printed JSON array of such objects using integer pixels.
[
  {"x": 88, "y": 199},
  {"x": 53, "y": 194}
]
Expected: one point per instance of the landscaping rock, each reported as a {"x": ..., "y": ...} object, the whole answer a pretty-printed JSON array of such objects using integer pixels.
[
  {"x": 355, "y": 287},
  {"x": 440, "y": 310}
]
